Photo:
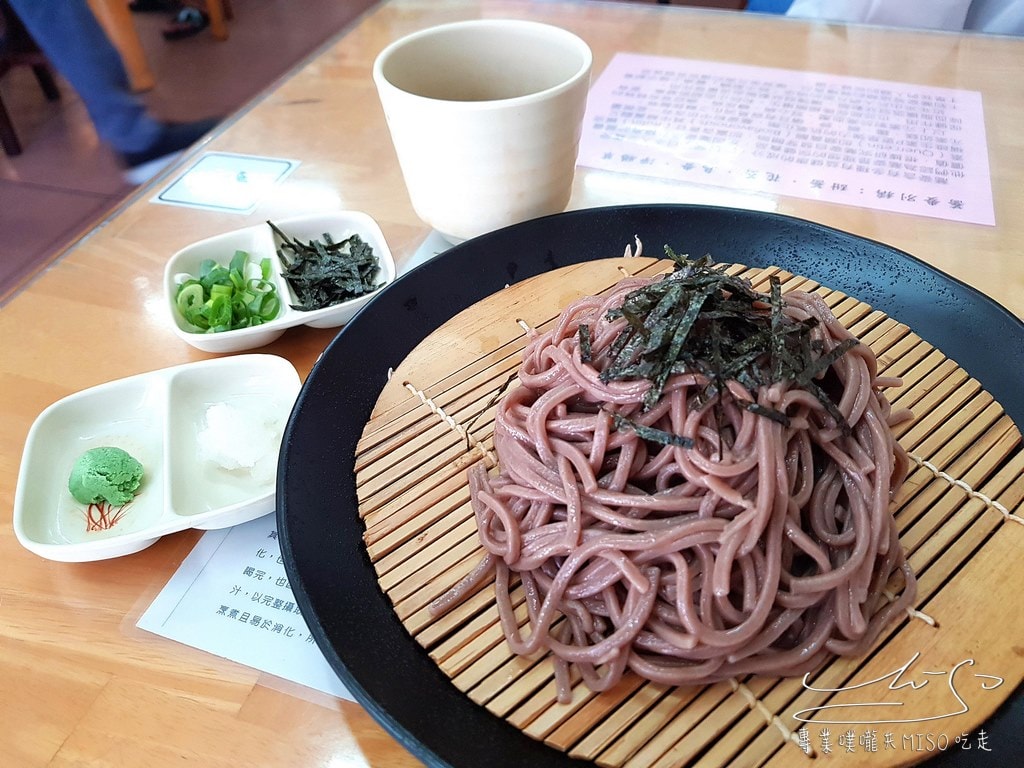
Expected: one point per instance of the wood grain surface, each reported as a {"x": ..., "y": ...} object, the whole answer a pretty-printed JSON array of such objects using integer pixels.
[
  {"x": 80, "y": 685},
  {"x": 435, "y": 418}
]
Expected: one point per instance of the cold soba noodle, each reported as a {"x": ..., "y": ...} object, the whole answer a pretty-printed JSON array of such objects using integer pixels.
[{"x": 694, "y": 484}]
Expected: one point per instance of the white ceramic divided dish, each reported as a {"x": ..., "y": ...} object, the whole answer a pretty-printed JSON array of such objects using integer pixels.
[
  {"x": 157, "y": 418},
  {"x": 259, "y": 241}
]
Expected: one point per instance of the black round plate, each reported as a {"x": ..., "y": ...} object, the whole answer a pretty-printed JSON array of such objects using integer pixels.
[{"x": 319, "y": 527}]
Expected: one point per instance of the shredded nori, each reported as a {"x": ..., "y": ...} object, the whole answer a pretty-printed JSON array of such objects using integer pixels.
[
  {"x": 584, "y": 333},
  {"x": 653, "y": 434},
  {"x": 701, "y": 319},
  {"x": 323, "y": 273}
]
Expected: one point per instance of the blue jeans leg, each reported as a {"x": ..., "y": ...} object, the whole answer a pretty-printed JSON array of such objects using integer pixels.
[{"x": 77, "y": 46}]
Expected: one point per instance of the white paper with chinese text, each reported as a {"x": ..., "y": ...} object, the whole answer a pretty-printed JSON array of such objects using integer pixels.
[
  {"x": 890, "y": 146},
  {"x": 231, "y": 597}
]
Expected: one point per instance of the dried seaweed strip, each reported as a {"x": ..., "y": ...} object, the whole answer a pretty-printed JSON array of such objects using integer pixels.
[
  {"x": 700, "y": 319},
  {"x": 585, "y": 349},
  {"x": 326, "y": 272},
  {"x": 650, "y": 433}
]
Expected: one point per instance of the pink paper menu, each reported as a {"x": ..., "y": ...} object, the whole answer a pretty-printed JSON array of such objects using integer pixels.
[{"x": 877, "y": 144}]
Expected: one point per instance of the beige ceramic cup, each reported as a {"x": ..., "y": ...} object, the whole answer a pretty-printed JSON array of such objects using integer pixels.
[{"x": 485, "y": 116}]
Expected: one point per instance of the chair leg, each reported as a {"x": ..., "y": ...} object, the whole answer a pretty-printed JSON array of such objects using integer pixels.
[
  {"x": 46, "y": 82},
  {"x": 218, "y": 25},
  {"x": 8, "y": 137}
]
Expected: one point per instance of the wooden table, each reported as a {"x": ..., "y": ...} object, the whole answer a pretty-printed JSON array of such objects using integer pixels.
[{"x": 79, "y": 684}]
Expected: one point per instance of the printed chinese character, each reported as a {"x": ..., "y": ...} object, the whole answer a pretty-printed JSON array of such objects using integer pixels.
[
  {"x": 848, "y": 741},
  {"x": 983, "y": 741},
  {"x": 869, "y": 740},
  {"x": 825, "y": 739},
  {"x": 803, "y": 739}
]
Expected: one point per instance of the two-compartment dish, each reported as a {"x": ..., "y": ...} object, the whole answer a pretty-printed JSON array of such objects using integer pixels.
[
  {"x": 160, "y": 418},
  {"x": 261, "y": 242}
]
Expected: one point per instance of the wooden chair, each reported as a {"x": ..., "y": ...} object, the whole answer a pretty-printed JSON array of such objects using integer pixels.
[
  {"x": 18, "y": 49},
  {"x": 220, "y": 12}
]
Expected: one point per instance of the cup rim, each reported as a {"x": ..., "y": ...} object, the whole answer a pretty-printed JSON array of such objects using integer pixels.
[{"x": 582, "y": 72}]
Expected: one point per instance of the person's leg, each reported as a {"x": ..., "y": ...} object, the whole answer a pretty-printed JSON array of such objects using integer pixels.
[{"x": 78, "y": 47}]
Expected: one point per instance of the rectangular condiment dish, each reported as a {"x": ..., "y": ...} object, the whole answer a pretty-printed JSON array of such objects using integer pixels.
[
  {"x": 156, "y": 417},
  {"x": 260, "y": 242}
]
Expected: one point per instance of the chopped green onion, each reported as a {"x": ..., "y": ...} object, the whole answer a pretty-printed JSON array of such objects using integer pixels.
[
  {"x": 190, "y": 295},
  {"x": 219, "y": 298}
]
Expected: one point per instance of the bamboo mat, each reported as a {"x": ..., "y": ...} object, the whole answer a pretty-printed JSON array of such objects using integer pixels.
[{"x": 958, "y": 515}]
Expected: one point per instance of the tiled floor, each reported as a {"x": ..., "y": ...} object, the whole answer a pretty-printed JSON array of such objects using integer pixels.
[{"x": 65, "y": 180}]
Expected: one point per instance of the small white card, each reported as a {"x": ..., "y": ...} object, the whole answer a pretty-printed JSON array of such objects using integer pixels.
[
  {"x": 227, "y": 182},
  {"x": 231, "y": 597}
]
